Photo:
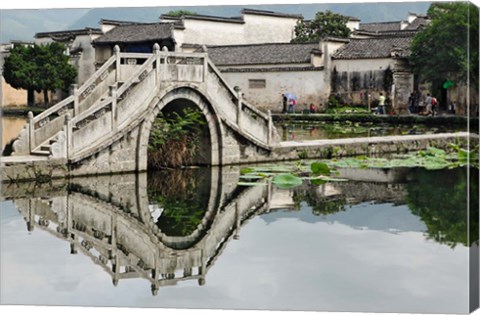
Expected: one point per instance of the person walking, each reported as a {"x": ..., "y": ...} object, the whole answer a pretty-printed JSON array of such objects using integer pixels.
[
  {"x": 381, "y": 105},
  {"x": 428, "y": 105}
]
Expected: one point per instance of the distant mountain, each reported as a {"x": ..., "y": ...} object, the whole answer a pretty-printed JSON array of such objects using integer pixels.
[
  {"x": 23, "y": 24},
  {"x": 367, "y": 12}
]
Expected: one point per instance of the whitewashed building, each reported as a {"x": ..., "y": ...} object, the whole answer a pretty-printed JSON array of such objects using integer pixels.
[{"x": 79, "y": 48}]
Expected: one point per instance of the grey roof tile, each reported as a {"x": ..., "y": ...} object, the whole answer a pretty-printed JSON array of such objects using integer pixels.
[
  {"x": 370, "y": 48},
  {"x": 380, "y": 26},
  {"x": 257, "y": 54},
  {"x": 132, "y": 33}
]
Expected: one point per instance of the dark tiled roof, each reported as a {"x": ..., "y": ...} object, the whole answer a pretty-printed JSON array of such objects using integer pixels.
[
  {"x": 370, "y": 48},
  {"x": 118, "y": 22},
  {"x": 236, "y": 20},
  {"x": 271, "y": 69},
  {"x": 69, "y": 33},
  {"x": 135, "y": 33},
  {"x": 418, "y": 23},
  {"x": 258, "y": 54},
  {"x": 380, "y": 26},
  {"x": 272, "y": 13},
  {"x": 401, "y": 33}
]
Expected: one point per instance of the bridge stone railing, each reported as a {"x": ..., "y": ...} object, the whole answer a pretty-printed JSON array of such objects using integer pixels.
[
  {"x": 139, "y": 77},
  {"x": 120, "y": 92},
  {"x": 240, "y": 115}
]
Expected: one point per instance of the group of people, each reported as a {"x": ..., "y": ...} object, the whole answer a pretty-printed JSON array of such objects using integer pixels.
[
  {"x": 424, "y": 106},
  {"x": 290, "y": 103}
]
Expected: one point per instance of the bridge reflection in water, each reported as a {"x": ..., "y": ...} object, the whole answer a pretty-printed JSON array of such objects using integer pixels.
[
  {"x": 172, "y": 226},
  {"x": 112, "y": 221}
]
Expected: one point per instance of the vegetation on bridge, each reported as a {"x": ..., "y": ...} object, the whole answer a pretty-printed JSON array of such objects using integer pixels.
[{"x": 175, "y": 139}]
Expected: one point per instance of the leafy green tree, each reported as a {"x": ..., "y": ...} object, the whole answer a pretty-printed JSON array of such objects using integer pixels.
[
  {"x": 324, "y": 24},
  {"x": 442, "y": 204},
  {"x": 19, "y": 70},
  {"x": 39, "y": 68},
  {"x": 55, "y": 71},
  {"x": 447, "y": 48},
  {"x": 178, "y": 13}
]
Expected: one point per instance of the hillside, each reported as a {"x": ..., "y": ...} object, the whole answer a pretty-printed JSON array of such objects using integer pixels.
[{"x": 23, "y": 24}]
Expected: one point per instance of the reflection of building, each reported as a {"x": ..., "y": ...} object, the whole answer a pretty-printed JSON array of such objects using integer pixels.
[{"x": 109, "y": 221}]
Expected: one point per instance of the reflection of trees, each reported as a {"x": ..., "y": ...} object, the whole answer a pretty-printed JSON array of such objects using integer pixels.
[
  {"x": 321, "y": 205},
  {"x": 439, "y": 198},
  {"x": 183, "y": 195}
]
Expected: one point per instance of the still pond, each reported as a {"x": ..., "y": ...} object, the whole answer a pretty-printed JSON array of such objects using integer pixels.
[{"x": 384, "y": 241}]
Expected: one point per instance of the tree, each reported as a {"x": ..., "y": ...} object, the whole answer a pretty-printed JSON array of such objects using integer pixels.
[
  {"x": 39, "y": 68},
  {"x": 19, "y": 70},
  {"x": 178, "y": 13},
  {"x": 324, "y": 24},
  {"x": 447, "y": 48},
  {"x": 55, "y": 71}
]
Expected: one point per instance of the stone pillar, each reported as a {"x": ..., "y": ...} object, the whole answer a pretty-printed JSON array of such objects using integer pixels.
[
  {"x": 156, "y": 51},
  {"x": 403, "y": 82},
  {"x": 31, "y": 134},
  {"x": 165, "y": 62},
  {"x": 270, "y": 128},
  {"x": 74, "y": 88},
  {"x": 205, "y": 63},
  {"x": 239, "y": 106},
  {"x": 116, "y": 50},
  {"x": 113, "y": 94}
]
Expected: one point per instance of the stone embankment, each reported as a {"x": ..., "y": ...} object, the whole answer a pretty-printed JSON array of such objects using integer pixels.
[{"x": 25, "y": 168}]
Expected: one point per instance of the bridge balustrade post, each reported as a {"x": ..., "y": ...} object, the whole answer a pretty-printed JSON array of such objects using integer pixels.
[
  {"x": 205, "y": 63},
  {"x": 270, "y": 128},
  {"x": 68, "y": 135},
  {"x": 113, "y": 94},
  {"x": 156, "y": 51},
  {"x": 239, "y": 106},
  {"x": 31, "y": 130},
  {"x": 74, "y": 88},
  {"x": 116, "y": 50},
  {"x": 165, "y": 62}
]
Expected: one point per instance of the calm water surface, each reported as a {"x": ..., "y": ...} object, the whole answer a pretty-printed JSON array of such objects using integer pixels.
[
  {"x": 194, "y": 239},
  {"x": 337, "y": 130},
  {"x": 11, "y": 127}
]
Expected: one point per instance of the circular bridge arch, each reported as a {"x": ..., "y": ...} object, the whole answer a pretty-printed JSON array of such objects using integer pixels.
[{"x": 193, "y": 96}]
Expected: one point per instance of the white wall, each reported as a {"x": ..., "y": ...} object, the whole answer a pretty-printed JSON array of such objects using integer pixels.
[
  {"x": 351, "y": 65},
  {"x": 210, "y": 33},
  {"x": 268, "y": 29},
  {"x": 309, "y": 87},
  {"x": 256, "y": 29}
]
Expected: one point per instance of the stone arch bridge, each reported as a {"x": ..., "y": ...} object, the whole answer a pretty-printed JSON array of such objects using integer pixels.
[{"x": 105, "y": 125}]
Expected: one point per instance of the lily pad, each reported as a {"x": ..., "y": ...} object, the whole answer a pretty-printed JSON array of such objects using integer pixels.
[
  {"x": 286, "y": 181},
  {"x": 319, "y": 168}
]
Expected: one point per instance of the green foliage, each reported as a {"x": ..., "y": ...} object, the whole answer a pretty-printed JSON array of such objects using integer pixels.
[
  {"x": 442, "y": 205},
  {"x": 179, "y": 13},
  {"x": 39, "y": 68},
  {"x": 447, "y": 48},
  {"x": 286, "y": 180},
  {"x": 323, "y": 25},
  {"x": 183, "y": 195},
  {"x": 174, "y": 138}
]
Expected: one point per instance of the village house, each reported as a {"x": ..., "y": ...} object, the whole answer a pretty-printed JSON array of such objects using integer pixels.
[
  {"x": 79, "y": 47},
  {"x": 253, "y": 52},
  {"x": 265, "y": 71}
]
